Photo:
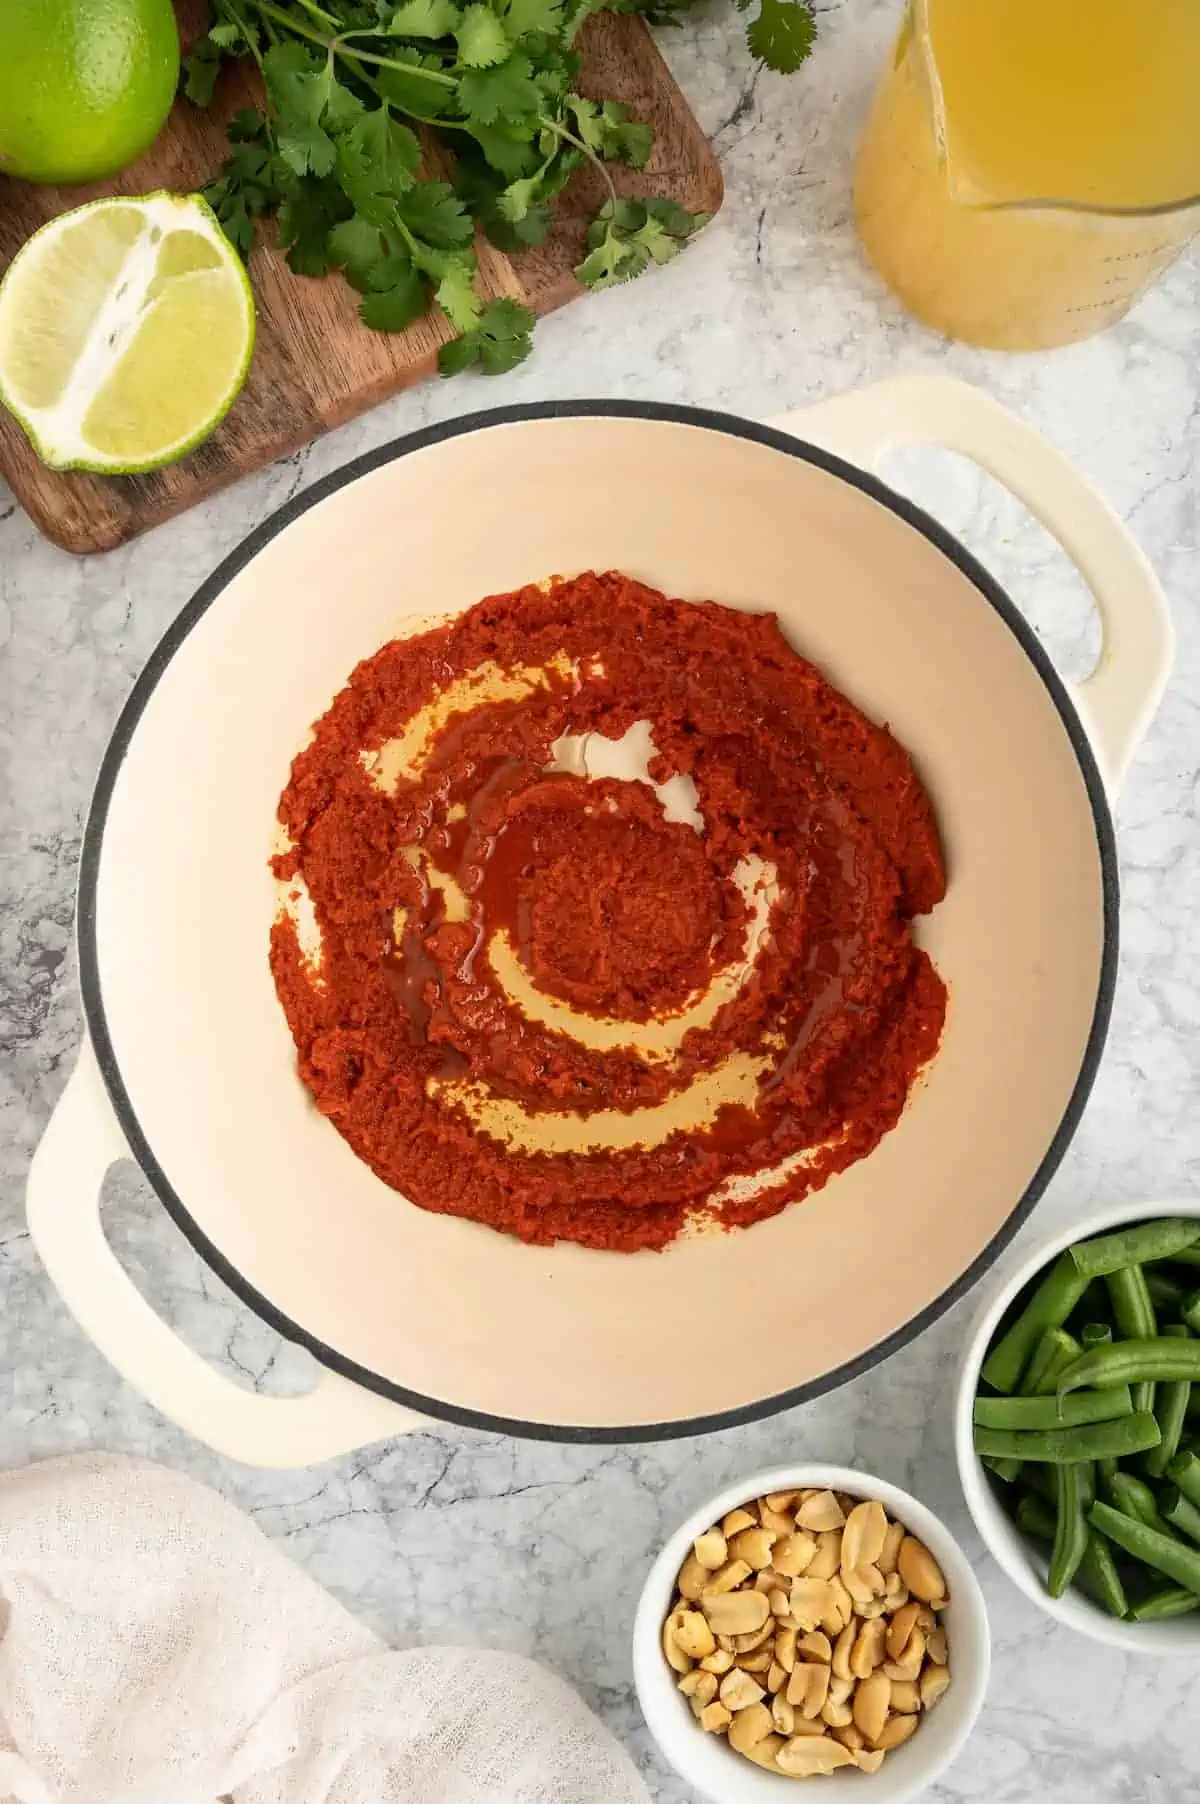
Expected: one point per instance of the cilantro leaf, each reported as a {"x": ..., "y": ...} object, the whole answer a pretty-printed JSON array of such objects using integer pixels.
[
  {"x": 376, "y": 163},
  {"x": 201, "y": 66},
  {"x": 455, "y": 293},
  {"x": 782, "y": 34},
  {"x": 408, "y": 90},
  {"x": 482, "y": 40},
  {"x": 515, "y": 201},
  {"x": 391, "y": 309},
  {"x": 306, "y": 149},
  {"x": 505, "y": 147},
  {"x": 357, "y": 247},
  {"x": 625, "y": 239},
  {"x": 500, "y": 341},
  {"x": 523, "y": 16},
  {"x": 434, "y": 212},
  {"x": 424, "y": 19},
  {"x": 503, "y": 92},
  {"x": 307, "y": 214},
  {"x": 607, "y": 127}
]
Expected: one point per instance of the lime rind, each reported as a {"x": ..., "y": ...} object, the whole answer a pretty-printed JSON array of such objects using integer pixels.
[{"x": 57, "y": 436}]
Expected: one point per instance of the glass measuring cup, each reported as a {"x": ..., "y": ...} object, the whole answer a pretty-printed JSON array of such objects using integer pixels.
[{"x": 1029, "y": 167}]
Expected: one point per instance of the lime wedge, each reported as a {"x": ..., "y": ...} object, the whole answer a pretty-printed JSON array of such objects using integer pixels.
[{"x": 126, "y": 329}]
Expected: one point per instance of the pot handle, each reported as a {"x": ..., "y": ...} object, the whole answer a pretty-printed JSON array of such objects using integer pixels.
[
  {"x": 1117, "y": 702},
  {"x": 62, "y": 1198}
]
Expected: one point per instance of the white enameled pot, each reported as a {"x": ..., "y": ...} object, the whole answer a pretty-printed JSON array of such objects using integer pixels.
[{"x": 188, "y": 1064}]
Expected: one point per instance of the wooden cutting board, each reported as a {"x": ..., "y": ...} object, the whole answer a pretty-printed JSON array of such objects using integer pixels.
[{"x": 315, "y": 365}]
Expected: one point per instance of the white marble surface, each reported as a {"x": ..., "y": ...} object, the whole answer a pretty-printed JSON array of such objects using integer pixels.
[{"x": 454, "y": 1535}]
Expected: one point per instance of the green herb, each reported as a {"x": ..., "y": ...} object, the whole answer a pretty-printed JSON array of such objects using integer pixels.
[{"x": 335, "y": 160}]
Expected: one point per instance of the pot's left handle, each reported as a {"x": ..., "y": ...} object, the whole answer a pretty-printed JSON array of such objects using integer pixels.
[{"x": 63, "y": 1204}]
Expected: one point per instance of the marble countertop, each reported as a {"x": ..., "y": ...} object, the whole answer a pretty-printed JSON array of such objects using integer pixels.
[{"x": 467, "y": 1537}]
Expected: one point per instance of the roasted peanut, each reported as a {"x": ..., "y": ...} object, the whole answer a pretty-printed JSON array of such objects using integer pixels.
[
  {"x": 828, "y": 1556},
  {"x": 776, "y": 1677},
  {"x": 890, "y": 1551},
  {"x": 750, "y": 1725},
  {"x": 905, "y": 1696},
  {"x": 869, "y": 1760},
  {"x": 677, "y": 1660},
  {"x": 850, "y": 1737},
  {"x": 726, "y": 1578},
  {"x": 757, "y": 1662},
  {"x": 780, "y": 1500},
  {"x": 739, "y": 1690},
  {"x": 785, "y": 1647},
  {"x": 735, "y": 1612},
  {"x": 735, "y": 1522},
  {"x": 815, "y": 1646},
  {"x": 805, "y": 1756},
  {"x": 935, "y": 1646},
  {"x": 692, "y": 1634},
  {"x": 840, "y": 1607},
  {"x": 820, "y": 1511},
  {"x": 783, "y": 1714},
  {"x": 776, "y": 1522},
  {"x": 754, "y": 1546},
  {"x": 810, "y": 1600},
  {"x": 780, "y": 1602},
  {"x": 719, "y": 1661},
  {"x": 894, "y": 1731},
  {"x": 700, "y": 1688},
  {"x": 793, "y": 1554},
  {"x": 715, "y": 1717},
  {"x": 869, "y": 1649},
  {"x": 900, "y": 1628},
  {"x": 908, "y": 1666},
  {"x": 837, "y": 1713},
  {"x": 920, "y": 1571},
  {"x": 711, "y": 1550},
  {"x": 693, "y": 1577},
  {"x": 752, "y": 1640},
  {"x": 763, "y": 1752},
  {"x": 934, "y": 1681},
  {"x": 871, "y": 1702},
  {"x": 863, "y": 1536},
  {"x": 841, "y": 1651}
]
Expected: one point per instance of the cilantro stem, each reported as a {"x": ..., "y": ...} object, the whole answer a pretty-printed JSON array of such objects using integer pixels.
[
  {"x": 290, "y": 21},
  {"x": 562, "y": 131}
]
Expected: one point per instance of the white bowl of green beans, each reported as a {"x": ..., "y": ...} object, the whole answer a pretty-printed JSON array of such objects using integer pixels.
[{"x": 1077, "y": 1426}]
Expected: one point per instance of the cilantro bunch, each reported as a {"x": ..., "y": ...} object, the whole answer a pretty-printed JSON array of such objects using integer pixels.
[{"x": 334, "y": 160}]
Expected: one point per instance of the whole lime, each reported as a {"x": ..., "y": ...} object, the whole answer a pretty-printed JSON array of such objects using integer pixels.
[{"x": 85, "y": 85}]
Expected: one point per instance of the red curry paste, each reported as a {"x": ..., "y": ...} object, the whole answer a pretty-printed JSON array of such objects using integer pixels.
[{"x": 612, "y": 910}]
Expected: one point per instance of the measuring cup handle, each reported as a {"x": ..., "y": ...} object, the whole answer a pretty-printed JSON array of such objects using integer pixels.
[
  {"x": 81, "y": 1142},
  {"x": 1117, "y": 702}
]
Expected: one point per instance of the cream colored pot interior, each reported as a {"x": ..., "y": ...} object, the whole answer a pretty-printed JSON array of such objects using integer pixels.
[{"x": 454, "y": 1312}]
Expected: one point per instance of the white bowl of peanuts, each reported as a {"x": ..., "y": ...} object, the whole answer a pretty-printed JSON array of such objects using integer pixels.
[{"x": 861, "y": 1658}]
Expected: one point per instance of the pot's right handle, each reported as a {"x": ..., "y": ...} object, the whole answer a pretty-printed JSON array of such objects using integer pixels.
[
  {"x": 1118, "y": 700},
  {"x": 62, "y": 1201}
]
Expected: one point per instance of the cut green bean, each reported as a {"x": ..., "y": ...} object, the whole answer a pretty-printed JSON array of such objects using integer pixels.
[
  {"x": 1166, "y": 1293},
  {"x": 1106, "y": 1471},
  {"x": 1095, "y": 1334},
  {"x": 1160, "y": 1606},
  {"x": 1049, "y": 1306},
  {"x": 1187, "y": 1255},
  {"x": 1170, "y": 1406},
  {"x": 1179, "y": 1511},
  {"x": 1133, "y": 1313},
  {"x": 1097, "y": 1576},
  {"x": 1146, "y": 1240},
  {"x": 1184, "y": 1471},
  {"x": 1060, "y": 1446},
  {"x": 1007, "y": 1469},
  {"x": 1071, "y": 1526},
  {"x": 1190, "y": 1311},
  {"x": 1050, "y": 1412},
  {"x": 1133, "y": 1498},
  {"x": 1160, "y": 1551},
  {"x": 1130, "y": 1362},
  {"x": 1054, "y": 1352}
]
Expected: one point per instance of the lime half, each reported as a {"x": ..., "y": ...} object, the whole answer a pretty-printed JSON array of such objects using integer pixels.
[{"x": 126, "y": 329}]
